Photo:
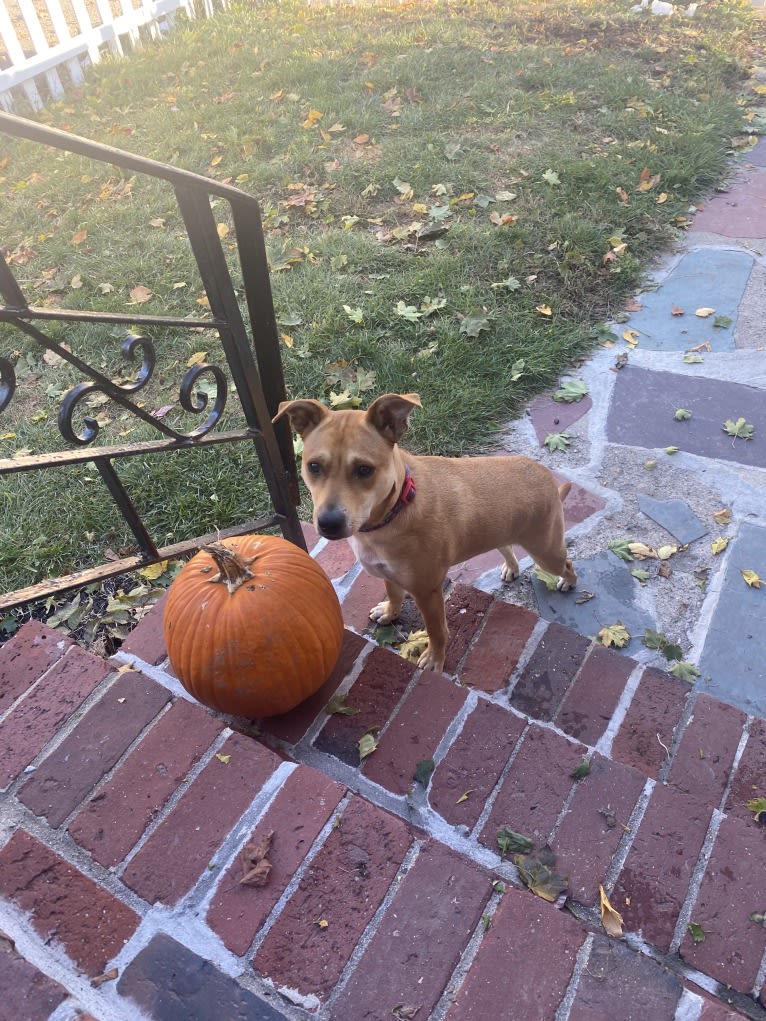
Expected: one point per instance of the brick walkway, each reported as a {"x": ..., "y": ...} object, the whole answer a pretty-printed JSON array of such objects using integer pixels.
[{"x": 127, "y": 808}]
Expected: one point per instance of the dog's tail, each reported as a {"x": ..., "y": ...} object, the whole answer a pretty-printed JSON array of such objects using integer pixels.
[{"x": 564, "y": 490}]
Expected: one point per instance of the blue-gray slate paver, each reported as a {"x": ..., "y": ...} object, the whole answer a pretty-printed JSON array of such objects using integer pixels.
[
  {"x": 675, "y": 516},
  {"x": 614, "y": 600},
  {"x": 644, "y": 403},
  {"x": 732, "y": 665},
  {"x": 170, "y": 983},
  {"x": 703, "y": 278}
]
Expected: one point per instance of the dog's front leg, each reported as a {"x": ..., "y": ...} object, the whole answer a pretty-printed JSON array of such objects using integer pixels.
[
  {"x": 431, "y": 606},
  {"x": 390, "y": 608}
]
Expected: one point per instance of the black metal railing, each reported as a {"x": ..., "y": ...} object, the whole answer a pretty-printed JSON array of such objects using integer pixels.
[{"x": 252, "y": 359}]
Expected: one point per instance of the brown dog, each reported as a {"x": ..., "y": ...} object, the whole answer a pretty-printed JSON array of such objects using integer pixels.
[{"x": 409, "y": 518}]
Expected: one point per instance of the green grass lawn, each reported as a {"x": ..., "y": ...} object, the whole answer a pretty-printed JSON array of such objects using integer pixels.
[{"x": 457, "y": 197}]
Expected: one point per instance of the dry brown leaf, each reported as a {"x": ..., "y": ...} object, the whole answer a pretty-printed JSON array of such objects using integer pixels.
[
  {"x": 108, "y": 976},
  {"x": 255, "y": 865},
  {"x": 610, "y": 918}
]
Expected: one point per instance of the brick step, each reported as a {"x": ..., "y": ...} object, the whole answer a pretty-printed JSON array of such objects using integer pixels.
[{"x": 129, "y": 806}]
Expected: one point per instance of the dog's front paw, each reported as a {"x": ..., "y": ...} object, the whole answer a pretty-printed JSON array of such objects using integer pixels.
[
  {"x": 563, "y": 586},
  {"x": 384, "y": 612},
  {"x": 430, "y": 660},
  {"x": 508, "y": 573}
]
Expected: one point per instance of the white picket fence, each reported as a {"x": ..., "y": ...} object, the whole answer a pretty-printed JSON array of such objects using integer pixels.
[{"x": 49, "y": 43}]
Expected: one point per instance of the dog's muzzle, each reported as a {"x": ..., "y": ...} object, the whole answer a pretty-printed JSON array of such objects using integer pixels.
[{"x": 332, "y": 523}]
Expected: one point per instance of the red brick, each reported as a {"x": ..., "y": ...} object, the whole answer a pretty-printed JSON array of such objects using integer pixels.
[
  {"x": 146, "y": 640},
  {"x": 703, "y": 762},
  {"x": 292, "y": 726},
  {"x": 466, "y": 609},
  {"x": 474, "y": 763},
  {"x": 652, "y": 718},
  {"x": 115, "y": 818},
  {"x": 179, "y": 850},
  {"x": 620, "y": 983},
  {"x": 654, "y": 880},
  {"x": 365, "y": 593},
  {"x": 594, "y": 825},
  {"x": 524, "y": 963},
  {"x": 64, "y": 905},
  {"x": 734, "y": 885},
  {"x": 495, "y": 655},
  {"x": 69, "y": 773},
  {"x": 344, "y": 886},
  {"x": 551, "y": 669},
  {"x": 24, "y": 658},
  {"x": 592, "y": 699},
  {"x": 336, "y": 558},
  {"x": 375, "y": 693},
  {"x": 420, "y": 939},
  {"x": 28, "y": 994},
  {"x": 295, "y": 817},
  {"x": 714, "y": 1011},
  {"x": 535, "y": 788},
  {"x": 748, "y": 782},
  {"x": 415, "y": 732},
  {"x": 37, "y": 718}
]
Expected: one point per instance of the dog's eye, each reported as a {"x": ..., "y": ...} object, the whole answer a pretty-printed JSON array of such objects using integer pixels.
[
  {"x": 364, "y": 471},
  {"x": 314, "y": 468}
]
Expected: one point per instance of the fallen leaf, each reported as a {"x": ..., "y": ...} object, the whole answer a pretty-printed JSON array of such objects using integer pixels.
[
  {"x": 225, "y": 759},
  {"x": 723, "y": 516},
  {"x": 686, "y": 671},
  {"x": 367, "y": 743},
  {"x": 758, "y": 807},
  {"x": 423, "y": 771},
  {"x": 719, "y": 545},
  {"x": 464, "y": 797},
  {"x": 414, "y": 647},
  {"x": 631, "y": 336},
  {"x": 511, "y": 842},
  {"x": 696, "y": 932},
  {"x": 108, "y": 976},
  {"x": 682, "y": 415},
  {"x": 676, "y": 310},
  {"x": 557, "y": 441},
  {"x": 571, "y": 391},
  {"x": 140, "y": 294},
  {"x": 79, "y": 236},
  {"x": 337, "y": 704},
  {"x": 740, "y": 430},
  {"x": 703, "y": 313},
  {"x": 405, "y": 1013},
  {"x": 611, "y": 919},
  {"x": 614, "y": 634},
  {"x": 621, "y": 549},
  {"x": 255, "y": 864},
  {"x": 537, "y": 872},
  {"x": 751, "y": 578},
  {"x": 313, "y": 117},
  {"x": 640, "y": 551},
  {"x": 581, "y": 771}
]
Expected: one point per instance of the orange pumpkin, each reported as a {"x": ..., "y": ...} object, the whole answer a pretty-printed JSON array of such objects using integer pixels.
[{"x": 252, "y": 625}]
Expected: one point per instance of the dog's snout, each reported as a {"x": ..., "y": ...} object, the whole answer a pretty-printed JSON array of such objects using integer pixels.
[{"x": 332, "y": 523}]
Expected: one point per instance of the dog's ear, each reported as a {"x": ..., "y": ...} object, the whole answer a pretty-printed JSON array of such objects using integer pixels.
[
  {"x": 304, "y": 415},
  {"x": 390, "y": 414}
]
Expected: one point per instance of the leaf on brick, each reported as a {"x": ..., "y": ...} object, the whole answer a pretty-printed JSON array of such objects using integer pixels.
[
  {"x": 511, "y": 842},
  {"x": 423, "y": 771},
  {"x": 581, "y": 771},
  {"x": 696, "y": 932},
  {"x": 685, "y": 671},
  {"x": 611, "y": 919},
  {"x": 538, "y": 873},
  {"x": 414, "y": 647},
  {"x": 255, "y": 863},
  {"x": 337, "y": 704},
  {"x": 367, "y": 743},
  {"x": 758, "y": 807}
]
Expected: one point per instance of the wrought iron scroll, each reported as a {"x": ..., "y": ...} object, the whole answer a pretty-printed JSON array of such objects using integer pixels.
[{"x": 251, "y": 351}]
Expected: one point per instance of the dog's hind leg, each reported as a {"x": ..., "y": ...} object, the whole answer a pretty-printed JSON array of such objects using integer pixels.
[{"x": 510, "y": 569}]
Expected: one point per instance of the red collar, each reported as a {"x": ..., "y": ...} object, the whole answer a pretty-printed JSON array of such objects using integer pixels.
[{"x": 406, "y": 496}]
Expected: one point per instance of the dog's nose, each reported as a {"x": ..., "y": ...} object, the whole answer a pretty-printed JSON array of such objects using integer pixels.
[{"x": 332, "y": 523}]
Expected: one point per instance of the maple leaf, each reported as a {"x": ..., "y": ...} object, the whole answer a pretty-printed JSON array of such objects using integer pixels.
[
  {"x": 474, "y": 323},
  {"x": 614, "y": 634},
  {"x": 571, "y": 391},
  {"x": 621, "y": 549},
  {"x": 140, "y": 294},
  {"x": 413, "y": 648},
  {"x": 313, "y": 117},
  {"x": 740, "y": 430},
  {"x": 557, "y": 441}
]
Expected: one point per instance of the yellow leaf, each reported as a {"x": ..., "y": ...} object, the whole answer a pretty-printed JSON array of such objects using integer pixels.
[
  {"x": 419, "y": 208},
  {"x": 313, "y": 117},
  {"x": 631, "y": 336},
  {"x": 415, "y": 645},
  {"x": 464, "y": 797},
  {"x": 79, "y": 236},
  {"x": 719, "y": 545},
  {"x": 223, "y": 230},
  {"x": 153, "y": 571},
  {"x": 641, "y": 551},
  {"x": 544, "y": 310},
  {"x": 703, "y": 313},
  {"x": 157, "y": 221},
  {"x": 76, "y": 282},
  {"x": 215, "y": 161},
  {"x": 662, "y": 197},
  {"x": 196, "y": 359},
  {"x": 322, "y": 923},
  {"x": 287, "y": 339},
  {"x": 751, "y": 578},
  {"x": 666, "y": 552},
  {"x": 723, "y": 516},
  {"x": 615, "y": 634},
  {"x": 610, "y": 918},
  {"x": 223, "y": 758},
  {"x": 204, "y": 301}
]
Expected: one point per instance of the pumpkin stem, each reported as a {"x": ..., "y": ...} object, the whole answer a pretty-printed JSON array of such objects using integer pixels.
[{"x": 233, "y": 569}]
